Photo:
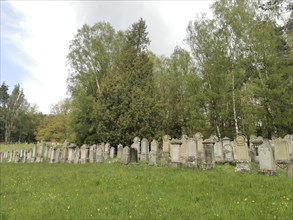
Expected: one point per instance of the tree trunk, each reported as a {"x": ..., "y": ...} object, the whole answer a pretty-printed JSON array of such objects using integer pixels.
[{"x": 234, "y": 104}]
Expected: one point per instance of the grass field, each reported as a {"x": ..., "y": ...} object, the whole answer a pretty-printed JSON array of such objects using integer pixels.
[{"x": 115, "y": 191}]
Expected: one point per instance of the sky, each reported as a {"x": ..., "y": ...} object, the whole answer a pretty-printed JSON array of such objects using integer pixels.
[{"x": 35, "y": 37}]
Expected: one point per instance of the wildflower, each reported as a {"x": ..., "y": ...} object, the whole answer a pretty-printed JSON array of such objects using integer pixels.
[{"x": 245, "y": 199}]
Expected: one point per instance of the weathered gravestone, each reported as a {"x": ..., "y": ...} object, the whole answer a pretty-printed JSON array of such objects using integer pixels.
[
  {"x": 107, "y": 151},
  {"x": 64, "y": 157},
  {"x": 77, "y": 155},
  {"x": 153, "y": 158},
  {"x": 290, "y": 169},
  {"x": 227, "y": 150},
  {"x": 71, "y": 149},
  {"x": 183, "y": 149},
  {"x": 99, "y": 154},
  {"x": 24, "y": 156},
  {"x": 92, "y": 153},
  {"x": 112, "y": 152},
  {"x": 34, "y": 156},
  {"x": 29, "y": 155},
  {"x": 289, "y": 139},
  {"x": 218, "y": 151},
  {"x": 199, "y": 145},
  {"x": 126, "y": 155},
  {"x": 84, "y": 154},
  {"x": 144, "y": 149},
  {"x": 191, "y": 153},
  {"x": 281, "y": 151},
  {"x": 209, "y": 161},
  {"x": 52, "y": 158},
  {"x": 266, "y": 159},
  {"x": 255, "y": 143},
  {"x": 119, "y": 151},
  {"x": 133, "y": 155},
  {"x": 136, "y": 145},
  {"x": 175, "y": 152},
  {"x": 57, "y": 155},
  {"x": 242, "y": 154},
  {"x": 166, "y": 146}
]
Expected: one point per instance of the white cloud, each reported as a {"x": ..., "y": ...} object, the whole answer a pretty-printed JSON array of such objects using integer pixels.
[{"x": 46, "y": 29}]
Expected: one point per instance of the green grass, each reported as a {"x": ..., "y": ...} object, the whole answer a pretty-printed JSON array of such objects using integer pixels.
[{"x": 115, "y": 191}]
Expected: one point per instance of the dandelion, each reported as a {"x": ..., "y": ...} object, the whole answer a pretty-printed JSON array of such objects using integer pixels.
[
  {"x": 98, "y": 210},
  {"x": 287, "y": 198},
  {"x": 245, "y": 199},
  {"x": 130, "y": 216},
  {"x": 253, "y": 201},
  {"x": 68, "y": 207}
]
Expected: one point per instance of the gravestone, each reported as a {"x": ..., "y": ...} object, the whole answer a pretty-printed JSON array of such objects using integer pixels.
[
  {"x": 227, "y": 150},
  {"x": 112, "y": 152},
  {"x": 289, "y": 139},
  {"x": 266, "y": 159},
  {"x": 242, "y": 155},
  {"x": 52, "y": 158},
  {"x": 218, "y": 151},
  {"x": 29, "y": 155},
  {"x": 166, "y": 146},
  {"x": 255, "y": 142},
  {"x": 46, "y": 152},
  {"x": 64, "y": 152},
  {"x": 119, "y": 151},
  {"x": 155, "y": 146},
  {"x": 77, "y": 155},
  {"x": 144, "y": 149},
  {"x": 57, "y": 155},
  {"x": 71, "y": 149},
  {"x": 84, "y": 154},
  {"x": 99, "y": 154},
  {"x": 92, "y": 153},
  {"x": 107, "y": 151},
  {"x": 175, "y": 152},
  {"x": 16, "y": 157},
  {"x": 199, "y": 145},
  {"x": 281, "y": 151},
  {"x": 191, "y": 153},
  {"x": 136, "y": 145},
  {"x": 153, "y": 158},
  {"x": 133, "y": 155},
  {"x": 34, "y": 156},
  {"x": 183, "y": 149},
  {"x": 209, "y": 156},
  {"x": 24, "y": 156},
  {"x": 126, "y": 155}
]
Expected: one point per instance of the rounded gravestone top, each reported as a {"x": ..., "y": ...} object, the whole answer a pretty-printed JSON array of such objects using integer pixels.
[
  {"x": 208, "y": 141},
  {"x": 257, "y": 141},
  {"x": 226, "y": 139}
]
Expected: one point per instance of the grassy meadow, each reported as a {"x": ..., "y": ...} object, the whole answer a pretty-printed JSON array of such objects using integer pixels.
[{"x": 115, "y": 191}]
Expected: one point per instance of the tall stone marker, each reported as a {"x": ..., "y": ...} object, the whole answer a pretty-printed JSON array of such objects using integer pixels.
[
  {"x": 242, "y": 154},
  {"x": 209, "y": 156},
  {"x": 175, "y": 152}
]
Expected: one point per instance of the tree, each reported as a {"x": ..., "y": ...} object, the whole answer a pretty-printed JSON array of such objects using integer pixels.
[
  {"x": 4, "y": 96},
  {"x": 127, "y": 103}
]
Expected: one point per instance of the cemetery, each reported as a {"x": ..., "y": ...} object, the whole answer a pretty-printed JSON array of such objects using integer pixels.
[
  {"x": 177, "y": 177},
  {"x": 193, "y": 152}
]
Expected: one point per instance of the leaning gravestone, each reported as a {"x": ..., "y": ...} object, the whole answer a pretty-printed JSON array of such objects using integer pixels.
[
  {"x": 199, "y": 145},
  {"x": 227, "y": 150},
  {"x": 144, "y": 149},
  {"x": 175, "y": 152},
  {"x": 266, "y": 159},
  {"x": 191, "y": 153},
  {"x": 34, "y": 157},
  {"x": 136, "y": 145},
  {"x": 119, "y": 151},
  {"x": 126, "y": 155},
  {"x": 209, "y": 161},
  {"x": 242, "y": 155},
  {"x": 99, "y": 154}
]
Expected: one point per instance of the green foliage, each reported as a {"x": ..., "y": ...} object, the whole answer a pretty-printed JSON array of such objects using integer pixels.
[{"x": 47, "y": 191}]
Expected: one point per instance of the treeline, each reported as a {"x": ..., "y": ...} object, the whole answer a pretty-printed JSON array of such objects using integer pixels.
[{"x": 236, "y": 77}]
